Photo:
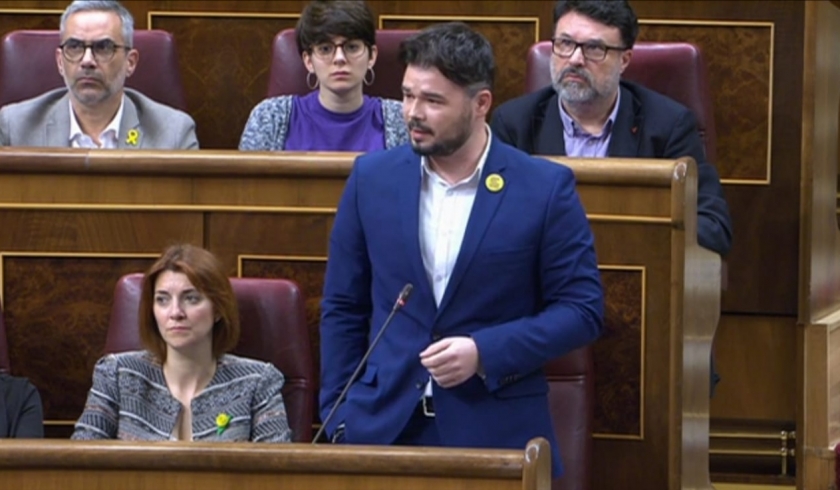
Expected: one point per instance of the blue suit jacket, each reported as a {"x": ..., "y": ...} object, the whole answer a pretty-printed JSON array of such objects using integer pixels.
[
  {"x": 525, "y": 286},
  {"x": 648, "y": 125}
]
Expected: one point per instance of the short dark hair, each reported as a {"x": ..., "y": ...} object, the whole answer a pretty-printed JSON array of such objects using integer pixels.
[
  {"x": 323, "y": 20},
  {"x": 205, "y": 272},
  {"x": 614, "y": 13},
  {"x": 77, "y": 6},
  {"x": 461, "y": 54}
]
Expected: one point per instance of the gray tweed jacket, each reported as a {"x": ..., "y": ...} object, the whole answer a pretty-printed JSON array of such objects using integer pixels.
[{"x": 129, "y": 400}]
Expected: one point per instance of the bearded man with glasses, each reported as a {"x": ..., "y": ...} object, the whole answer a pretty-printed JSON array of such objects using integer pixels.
[
  {"x": 95, "y": 110},
  {"x": 588, "y": 111}
]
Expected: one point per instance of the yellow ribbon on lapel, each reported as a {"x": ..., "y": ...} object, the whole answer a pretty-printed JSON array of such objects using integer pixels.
[{"x": 133, "y": 137}]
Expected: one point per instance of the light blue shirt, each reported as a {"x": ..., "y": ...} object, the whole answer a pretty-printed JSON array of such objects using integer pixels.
[{"x": 581, "y": 144}]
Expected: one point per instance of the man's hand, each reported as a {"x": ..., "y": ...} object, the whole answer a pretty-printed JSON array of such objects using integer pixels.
[{"x": 451, "y": 361}]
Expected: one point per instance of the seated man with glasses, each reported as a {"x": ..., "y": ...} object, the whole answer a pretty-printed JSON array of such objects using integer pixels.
[
  {"x": 96, "y": 110},
  {"x": 589, "y": 112},
  {"x": 337, "y": 42}
]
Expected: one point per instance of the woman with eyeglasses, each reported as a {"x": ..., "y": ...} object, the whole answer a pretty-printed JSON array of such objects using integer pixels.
[{"x": 337, "y": 42}]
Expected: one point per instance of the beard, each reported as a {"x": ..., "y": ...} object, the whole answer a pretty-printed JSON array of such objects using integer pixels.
[
  {"x": 585, "y": 90},
  {"x": 444, "y": 145},
  {"x": 88, "y": 95}
]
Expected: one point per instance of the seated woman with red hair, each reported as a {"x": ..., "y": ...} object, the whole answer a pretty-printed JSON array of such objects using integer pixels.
[{"x": 184, "y": 385}]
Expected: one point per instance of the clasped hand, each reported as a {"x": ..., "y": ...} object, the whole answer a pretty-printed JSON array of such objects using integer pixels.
[{"x": 451, "y": 361}]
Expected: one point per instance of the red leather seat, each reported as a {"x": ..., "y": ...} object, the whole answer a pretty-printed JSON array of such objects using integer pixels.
[
  {"x": 288, "y": 74},
  {"x": 5, "y": 367},
  {"x": 271, "y": 312},
  {"x": 571, "y": 396},
  {"x": 27, "y": 66},
  {"x": 676, "y": 70}
]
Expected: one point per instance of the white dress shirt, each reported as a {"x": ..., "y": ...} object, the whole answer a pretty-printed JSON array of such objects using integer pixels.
[
  {"x": 444, "y": 212},
  {"x": 109, "y": 138}
]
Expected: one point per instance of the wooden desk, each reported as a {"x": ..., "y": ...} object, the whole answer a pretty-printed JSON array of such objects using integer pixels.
[
  {"x": 74, "y": 221},
  {"x": 106, "y": 465}
]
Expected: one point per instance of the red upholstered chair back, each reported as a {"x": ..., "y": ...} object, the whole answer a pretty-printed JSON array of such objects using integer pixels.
[
  {"x": 4, "y": 348},
  {"x": 274, "y": 329},
  {"x": 28, "y": 69},
  {"x": 676, "y": 70},
  {"x": 572, "y": 397},
  {"x": 288, "y": 74}
]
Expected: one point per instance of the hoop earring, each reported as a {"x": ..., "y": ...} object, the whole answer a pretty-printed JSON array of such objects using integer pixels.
[
  {"x": 372, "y": 77},
  {"x": 309, "y": 83}
]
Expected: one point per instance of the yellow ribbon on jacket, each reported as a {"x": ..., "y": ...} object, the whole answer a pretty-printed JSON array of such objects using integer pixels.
[{"x": 133, "y": 137}]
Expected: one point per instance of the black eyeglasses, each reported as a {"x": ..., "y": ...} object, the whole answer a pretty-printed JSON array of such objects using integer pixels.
[
  {"x": 565, "y": 48},
  {"x": 352, "y": 49},
  {"x": 103, "y": 50}
]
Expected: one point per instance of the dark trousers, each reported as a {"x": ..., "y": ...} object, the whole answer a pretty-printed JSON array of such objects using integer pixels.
[{"x": 420, "y": 430}]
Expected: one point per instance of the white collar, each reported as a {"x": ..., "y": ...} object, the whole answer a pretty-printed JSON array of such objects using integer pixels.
[
  {"x": 114, "y": 125},
  {"x": 426, "y": 169}
]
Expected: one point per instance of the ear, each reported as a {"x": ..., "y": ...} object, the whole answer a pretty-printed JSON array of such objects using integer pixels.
[
  {"x": 131, "y": 59},
  {"x": 483, "y": 100},
  {"x": 307, "y": 61},
  {"x": 626, "y": 55},
  {"x": 59, "y": 61},
  {"x": 373, "y": 54}
]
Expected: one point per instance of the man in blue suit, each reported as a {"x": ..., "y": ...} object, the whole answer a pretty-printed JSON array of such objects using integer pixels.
[{"x": 499, "y": 251}]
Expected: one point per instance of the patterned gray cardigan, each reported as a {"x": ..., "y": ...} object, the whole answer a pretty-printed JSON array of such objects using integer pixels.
[
  {"x": 129, "y": 400},
  {"x": 268, "y": 125}
]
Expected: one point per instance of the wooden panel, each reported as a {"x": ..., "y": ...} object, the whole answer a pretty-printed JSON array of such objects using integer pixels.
[
  {"x": 740, "y": 84},
  {"x": 13, "y": 19},
  {"x": 833, "y": 385},
  {"x": 773, "y": 237},
  {"x": 618, "y": 355},
  {"x": 224, "y": 64},
  {"x": 819, "y": 290},
  {"x": 625, "y": 433},
  {"x": 279, "y": 233},
  {"x": 56, "y": 311},
  {"x": 510, "y": 37},
  {"x": 96, "y": 230},
  {"x": 750, "y": 350}
]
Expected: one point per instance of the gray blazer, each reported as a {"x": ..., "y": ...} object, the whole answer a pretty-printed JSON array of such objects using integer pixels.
[{"x": 45, "y": 121}]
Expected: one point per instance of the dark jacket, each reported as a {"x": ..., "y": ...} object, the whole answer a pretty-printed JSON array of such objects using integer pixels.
[
  {"x": 648, "y": 125},
  {"x": 21, "y": 415}
]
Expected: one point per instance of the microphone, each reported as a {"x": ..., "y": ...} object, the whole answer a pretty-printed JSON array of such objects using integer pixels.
[{"x": 401, "y": 300}]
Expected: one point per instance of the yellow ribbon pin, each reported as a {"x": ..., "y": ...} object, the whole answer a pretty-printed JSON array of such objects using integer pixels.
[
  {"x": 132, "y": 137},
  {"x": 494, "y": 182}
]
